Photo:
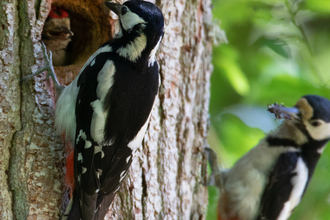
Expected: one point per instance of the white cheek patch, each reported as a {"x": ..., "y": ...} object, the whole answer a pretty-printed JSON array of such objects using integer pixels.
[
  {"x": 130, "y": 19},
  {"x": 320, "y": 132}
]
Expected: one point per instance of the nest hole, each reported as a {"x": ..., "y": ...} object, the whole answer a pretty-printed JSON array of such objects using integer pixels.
[{"x": 91, "y": 26}]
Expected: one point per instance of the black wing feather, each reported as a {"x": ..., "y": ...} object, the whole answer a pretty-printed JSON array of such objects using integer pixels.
[
  {"x": 128, "y": 102},
  {"x": 84, "y": 114},
  {"x": 279, "y": 186}
]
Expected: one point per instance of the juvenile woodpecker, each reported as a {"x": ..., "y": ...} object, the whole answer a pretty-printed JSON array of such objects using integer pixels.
[
  {"x": 269, "y": 181},
  {"x": 105, "y": 110},
  {"x": 57, "y": 34}
]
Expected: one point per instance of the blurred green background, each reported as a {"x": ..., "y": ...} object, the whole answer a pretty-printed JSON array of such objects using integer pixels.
[{"x": 277, "y": 51}]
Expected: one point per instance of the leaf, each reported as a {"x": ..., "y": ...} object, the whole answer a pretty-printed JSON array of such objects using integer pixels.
[
  {"x": 318, "y": 5},
  {"x": 278, "y": 45}
]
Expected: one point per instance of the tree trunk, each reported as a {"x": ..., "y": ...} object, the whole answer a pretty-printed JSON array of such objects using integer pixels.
[{"x": 166, "y": 174}]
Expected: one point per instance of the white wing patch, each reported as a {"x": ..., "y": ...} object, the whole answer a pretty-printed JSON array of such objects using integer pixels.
[
  {"x": 80, "y": 157},
  {"x": 82, "y": 135},
  {"x": 122, "y": 175},
  {"x": 152, "y": 55},
  {"x": 118, "y": 187},
  {"x": 299, "y": 183},
  {"x": 133, "y": 50},
  {"x": 105, "y": 80},
  {"x": 98, "y": 121},
  {"x": 285, "y": 213},
  {"x": 98, "y": 149},
  {"x": 88, "y": 144},
  {"x": 65, "y": 118},
  {"x": 128, "y": 158},
  {"x": 136, "y": 142}
]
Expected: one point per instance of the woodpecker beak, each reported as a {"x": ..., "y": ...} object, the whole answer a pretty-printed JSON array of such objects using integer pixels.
[
  {"x": 59, "y": 33},
  {"x": 289, "y": 113},
  {"x": 115, "y": 7},
  {"x": 282, "y": 112},
  {"x": 68, "y": 31}
]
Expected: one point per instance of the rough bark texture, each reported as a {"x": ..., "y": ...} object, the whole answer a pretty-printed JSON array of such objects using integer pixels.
[{"x": 165, "y": 177}]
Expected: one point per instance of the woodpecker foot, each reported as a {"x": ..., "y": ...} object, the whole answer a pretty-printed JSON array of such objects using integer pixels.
[
  {"x": 49, "y": 68},
  {"x": 215, "y": 178}
]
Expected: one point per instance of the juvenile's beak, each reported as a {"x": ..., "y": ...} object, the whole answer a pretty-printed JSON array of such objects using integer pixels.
[
  {"x": 115, "y": 7},
  {"x": 66, "y": 31}
]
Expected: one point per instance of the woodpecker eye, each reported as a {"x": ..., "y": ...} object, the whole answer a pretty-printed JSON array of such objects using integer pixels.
[
  {"x": 315, "y": 123},
  {"x": 124, "y": 10}
]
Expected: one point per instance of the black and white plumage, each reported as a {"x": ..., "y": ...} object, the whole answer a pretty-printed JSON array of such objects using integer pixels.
[
  {"x": 269, "y": 181},
  {"x": 106, "y": 109}
]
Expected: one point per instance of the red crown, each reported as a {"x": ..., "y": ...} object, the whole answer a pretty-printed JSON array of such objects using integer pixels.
[{"x": 58, "y": 12}]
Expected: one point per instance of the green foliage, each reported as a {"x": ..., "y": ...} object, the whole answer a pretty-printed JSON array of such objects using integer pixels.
[{"x": 278, "y": 51}]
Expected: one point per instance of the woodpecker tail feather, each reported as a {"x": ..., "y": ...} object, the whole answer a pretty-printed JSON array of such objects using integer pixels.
[
  {"x": 104, "y": 201},
  {"x": 90, "y": 209},
  {"x": 72, "y": 212}
]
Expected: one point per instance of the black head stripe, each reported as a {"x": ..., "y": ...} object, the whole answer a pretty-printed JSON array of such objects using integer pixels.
[{"x": 280, "y": 142}]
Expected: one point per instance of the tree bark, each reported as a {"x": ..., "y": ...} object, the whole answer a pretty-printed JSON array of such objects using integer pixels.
[{"x": 166, "y": 174}]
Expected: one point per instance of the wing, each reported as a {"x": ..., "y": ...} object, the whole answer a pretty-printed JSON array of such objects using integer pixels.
[
  {"x": 285, "y": 187},
  {"x": 112, "y": 113},
  {"x": 86, "y": 147}
]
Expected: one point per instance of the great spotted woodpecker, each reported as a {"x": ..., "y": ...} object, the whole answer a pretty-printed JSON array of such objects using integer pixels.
[
  {"x": 105, "y": 110},
  {"x": 269, "y": 181},
  {"x": 57, "y": 34}
]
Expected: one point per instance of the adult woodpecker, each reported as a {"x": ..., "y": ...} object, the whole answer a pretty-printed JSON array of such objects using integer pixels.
[
  {"x": 57, "y": 34},
  {"x": 269, "y": 181},
  {"x": 105, "y": 110}
]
